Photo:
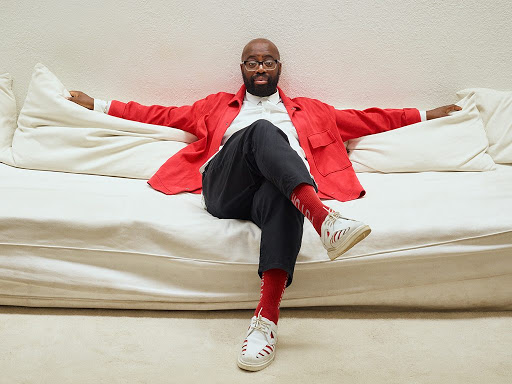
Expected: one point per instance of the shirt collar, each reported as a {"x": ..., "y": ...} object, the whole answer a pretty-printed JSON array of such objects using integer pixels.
[{"x": 273, "y": 99}]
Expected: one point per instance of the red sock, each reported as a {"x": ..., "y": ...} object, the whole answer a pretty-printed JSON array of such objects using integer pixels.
[
  {"x": 273, "y": 283},
  {"x": 306, "y": 200}
]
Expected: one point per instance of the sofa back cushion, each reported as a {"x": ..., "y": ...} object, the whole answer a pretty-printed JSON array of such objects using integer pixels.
[
  {"x": 453, "y": 143},
  {"x": 56, "y": 134},
  {"x": 496, "y": 111},
  {"x": 7, "y": 118}
]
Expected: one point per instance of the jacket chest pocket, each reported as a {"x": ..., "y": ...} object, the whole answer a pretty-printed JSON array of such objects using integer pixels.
[{"x": 328, "y": 154}]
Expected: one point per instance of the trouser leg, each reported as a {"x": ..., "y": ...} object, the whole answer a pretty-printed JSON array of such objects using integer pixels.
[
  {"x": 255, "y": 156},
  {"x": 281, "y": 230}
]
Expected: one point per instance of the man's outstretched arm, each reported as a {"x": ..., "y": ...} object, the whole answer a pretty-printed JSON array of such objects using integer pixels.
[
  {"x": 354, "y": 123},
  {"x": 183, "y": 118}
]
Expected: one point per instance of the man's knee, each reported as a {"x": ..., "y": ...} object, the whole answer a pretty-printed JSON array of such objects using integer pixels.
[
  {"x": 262, "y": 124},
  {"x": 264, "y": 129}
]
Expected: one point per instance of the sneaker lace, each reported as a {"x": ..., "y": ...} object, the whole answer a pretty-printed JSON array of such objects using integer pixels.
[
  {"x": 261, "y": 325},
  {"x": 332, "y": 217}
]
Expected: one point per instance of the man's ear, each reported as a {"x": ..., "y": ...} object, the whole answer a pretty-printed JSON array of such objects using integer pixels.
[{"x": 242, "y": 71}]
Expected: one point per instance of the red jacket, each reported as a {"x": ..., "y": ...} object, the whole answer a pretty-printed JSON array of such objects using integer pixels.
[{"x": 321, "y": 130}]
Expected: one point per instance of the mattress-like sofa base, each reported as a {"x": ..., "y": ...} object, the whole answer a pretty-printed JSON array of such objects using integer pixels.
[
  {"x": 410, "y": 279},
  {"x": 439, "y": 241}
]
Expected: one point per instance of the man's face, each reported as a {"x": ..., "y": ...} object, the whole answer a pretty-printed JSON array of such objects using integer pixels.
[{"x": 261, "y": 82}]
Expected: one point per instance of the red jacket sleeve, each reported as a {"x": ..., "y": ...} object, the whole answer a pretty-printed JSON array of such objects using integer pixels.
[
  {"x": 184, "y": 118},
  {"x": 353, "y": 123}
]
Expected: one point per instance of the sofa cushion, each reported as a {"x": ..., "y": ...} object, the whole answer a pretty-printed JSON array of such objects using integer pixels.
[
  {"x": 453, "y": 143},
  {"x": 56, "y": 134},
  {"x": 496, "y": 111},
  {"x": 7, "y": 118}
]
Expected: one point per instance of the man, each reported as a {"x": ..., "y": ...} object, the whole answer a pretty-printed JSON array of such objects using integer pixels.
[{"x": 264, "y": 157}]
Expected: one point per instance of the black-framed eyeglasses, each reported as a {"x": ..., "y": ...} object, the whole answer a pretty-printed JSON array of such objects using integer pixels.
[{"x": 253, "y": 65}]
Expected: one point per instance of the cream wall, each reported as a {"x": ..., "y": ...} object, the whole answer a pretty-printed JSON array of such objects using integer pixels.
[{"x": 347, "y": 53}]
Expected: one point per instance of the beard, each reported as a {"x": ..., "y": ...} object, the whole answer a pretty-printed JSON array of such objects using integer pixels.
[{"x": 261, "y": 90}]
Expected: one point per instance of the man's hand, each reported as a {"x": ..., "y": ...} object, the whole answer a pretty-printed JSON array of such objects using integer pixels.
[
  {"x": 82, "y": 99},
  {"x": 442, "y": 111}
]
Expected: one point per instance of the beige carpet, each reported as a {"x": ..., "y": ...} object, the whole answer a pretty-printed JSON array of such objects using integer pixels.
[{"x": 321, "y": 345}]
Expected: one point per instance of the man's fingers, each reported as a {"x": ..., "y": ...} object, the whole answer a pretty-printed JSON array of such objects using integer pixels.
[
  {"x": 73, "y": 94},
  {"x": 76, "y": 94},
  {"x": 442, "y": 111},
  {"x": 451, "y": 108}
]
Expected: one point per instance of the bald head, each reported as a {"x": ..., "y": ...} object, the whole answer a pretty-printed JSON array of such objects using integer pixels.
[
  {"x": 262, "y": 75},
  {"x": 259, "y": 45}
]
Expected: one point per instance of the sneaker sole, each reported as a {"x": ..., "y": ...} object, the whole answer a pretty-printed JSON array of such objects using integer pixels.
[
  {"x": 354, "y": 238},
  {"x": 254, "y": 367}
]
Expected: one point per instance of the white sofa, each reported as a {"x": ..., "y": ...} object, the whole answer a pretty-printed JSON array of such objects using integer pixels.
[{"x": 82, "y": 228}]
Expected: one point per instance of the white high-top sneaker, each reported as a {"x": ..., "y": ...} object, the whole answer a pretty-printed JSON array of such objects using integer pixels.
[
  {"x": 339, "y": 234},
  {"x": 259, "y": 347}
]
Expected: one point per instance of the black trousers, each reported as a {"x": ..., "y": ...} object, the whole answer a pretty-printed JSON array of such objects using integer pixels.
[{"x": 252, "y": 178}]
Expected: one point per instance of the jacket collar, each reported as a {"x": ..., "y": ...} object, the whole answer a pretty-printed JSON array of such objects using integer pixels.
[
  {"x": 288, "y": 103},
  {"x": 238, "y": 97}
]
